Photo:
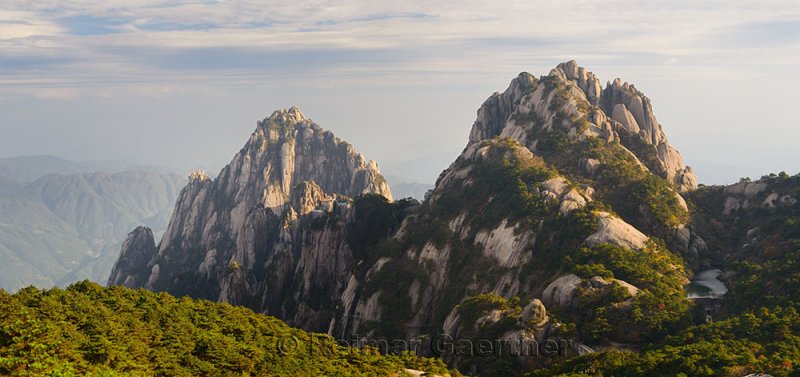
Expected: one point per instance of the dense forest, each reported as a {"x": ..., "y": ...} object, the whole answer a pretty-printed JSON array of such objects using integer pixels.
[{"x": 86, "y": 329}]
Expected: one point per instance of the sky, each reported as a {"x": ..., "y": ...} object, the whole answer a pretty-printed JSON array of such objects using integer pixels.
[{"x": 182, "y": 83}]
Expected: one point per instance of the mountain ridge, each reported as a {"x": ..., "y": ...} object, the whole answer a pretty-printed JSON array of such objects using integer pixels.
[
  {"x": 563, "y": 219},
  {"x": 61, "y": 228},
  {"x": 237, "y": 237}
]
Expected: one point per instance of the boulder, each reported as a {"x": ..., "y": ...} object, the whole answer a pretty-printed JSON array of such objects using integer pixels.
[
  {"x": 625, "y": 118},
  {"x": 613, "y": 230},
  {"x": 632, "y": 289},
  {"x": 533, "y": 314},
  {"x": 571, "y": 201},
  {"x": 589, "y": 165},
  {"x": 557, "y": 185},
  {"x": 598, "y": 282},
  {"x": 490, "y": 318},
  {"x": 562, "y": 291},
  {"x": 747, "y": 189}
]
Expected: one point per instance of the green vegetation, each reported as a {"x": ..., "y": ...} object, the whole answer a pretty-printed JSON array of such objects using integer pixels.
[
  {"x": 610, "y": 314},
  {"x": 502, "y": 188},
  {"x": 758, "y": 329},
  {"x": 475, "y": 307},
  {"x": 660, "y": 201},
  {"x": 620, "y": 178},
  {"x": 375, "y": 219},
  {"x": 773, "y": 282},
  {"x": 763, "y": 340},
  {"x": 90, "y": 330}
]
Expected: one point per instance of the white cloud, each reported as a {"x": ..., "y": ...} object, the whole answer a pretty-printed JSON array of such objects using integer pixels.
[
  {"x": 654, "y": 27},
  {"x": 166, "y": 48}
]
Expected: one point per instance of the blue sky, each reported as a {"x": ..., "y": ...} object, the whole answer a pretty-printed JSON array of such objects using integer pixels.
[{"x": 182, "y": 83}]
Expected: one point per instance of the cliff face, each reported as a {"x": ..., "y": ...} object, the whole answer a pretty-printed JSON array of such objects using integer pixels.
[
  {"x": 264, "y": 231},
  {"x": 619, "y": 111},
  {"x": 752, "y": 221},
  {"x": 556, "y": 201},
  {"x": 548, "y": 189},
  {"x": 563, "y": 218}
]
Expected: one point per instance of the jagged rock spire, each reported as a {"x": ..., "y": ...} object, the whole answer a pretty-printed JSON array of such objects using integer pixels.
[
  {"x": 288, "y": 168},
  {"x": 620, "y": 107}
]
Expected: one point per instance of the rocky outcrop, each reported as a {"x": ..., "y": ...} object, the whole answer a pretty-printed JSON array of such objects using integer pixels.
[
  {"x": 498, "y": 108},
  {"x": 748, "y": 195},
  {"x": 276, "y": 231},
  {"x": 248, "y": 237},
  {"x": 613, "y": 230},
  {"x": 530, "y": 104},
  {"x": 733, "y": 220},
  {"x": 534, "y": 313},
  {"x": 137, "y": 250},
  {"x": 746, "y": 189},
  {"x": 632, "y": 109},
  {"x": 562, "y": 291}
]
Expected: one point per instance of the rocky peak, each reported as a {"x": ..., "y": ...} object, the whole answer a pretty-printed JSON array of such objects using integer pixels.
[
  {"x": 224, "y": 230},
  {"x": 287, "y": 149},
  {"x": 198, "y": 175},
  {"x": 284, "y": 117},
  {"x": 308, "y": 196},
  {"x": 498, "y": 107},
  {"x": 570, "y": 100},
  {"x": 137, "y": 250},
  {"x": 585, "y": 80}
]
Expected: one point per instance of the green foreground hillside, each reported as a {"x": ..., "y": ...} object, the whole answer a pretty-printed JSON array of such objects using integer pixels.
[{"x": 86, "y": 329}]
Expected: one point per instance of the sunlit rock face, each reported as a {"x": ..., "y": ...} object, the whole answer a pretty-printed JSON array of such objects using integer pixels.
[
  {"x": 276, "y": 231},
  {"x": 246, "y": 237}
]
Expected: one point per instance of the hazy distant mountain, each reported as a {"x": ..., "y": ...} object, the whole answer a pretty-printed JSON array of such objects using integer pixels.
[
  {"x": 8, "y": 185},
  {"x": 25, "y": 169},
  {"x": 36, "y": 247},
  {"x": 64, "y": 227},
  {"x": 414, "y": 190}
]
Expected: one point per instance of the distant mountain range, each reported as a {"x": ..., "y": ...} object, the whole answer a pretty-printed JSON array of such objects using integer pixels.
[
  {"x": 26, "y": 169},
  {"x": 402, "y": 188},
  {"x": 62, "y": 221}
]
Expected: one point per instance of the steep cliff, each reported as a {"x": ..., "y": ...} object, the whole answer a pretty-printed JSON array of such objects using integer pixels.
[
  {"x": 568, "y": 217},
  {"x": 552, "y": 199},
  {"x": 265, "y": 232},
  {"x": 618, "y": 112},
  {"x": 560, "y": 204},
  {"x": 752, "y": 232}
]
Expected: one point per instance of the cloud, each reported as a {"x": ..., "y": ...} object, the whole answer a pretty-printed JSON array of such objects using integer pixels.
[{"x": 408, "y": 68}]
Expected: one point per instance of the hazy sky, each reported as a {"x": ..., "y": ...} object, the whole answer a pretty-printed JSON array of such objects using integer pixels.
[{"x": 182, "y": 83}]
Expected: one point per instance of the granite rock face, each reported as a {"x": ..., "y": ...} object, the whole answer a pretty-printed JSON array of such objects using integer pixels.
[
  {"x": 137, "y": 250},
  {"x": 276, "y": 232},
  {"x": 618, "y": 109},
  {"x": 613, "y": 230},
  {"x": 246, "y": 237}
]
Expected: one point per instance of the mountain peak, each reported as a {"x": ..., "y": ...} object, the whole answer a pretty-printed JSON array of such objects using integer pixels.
[
  {"x": 285, "y": 117},
  {"x": 289, "y": 172},
  {"x": 570, "y": 100}
]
